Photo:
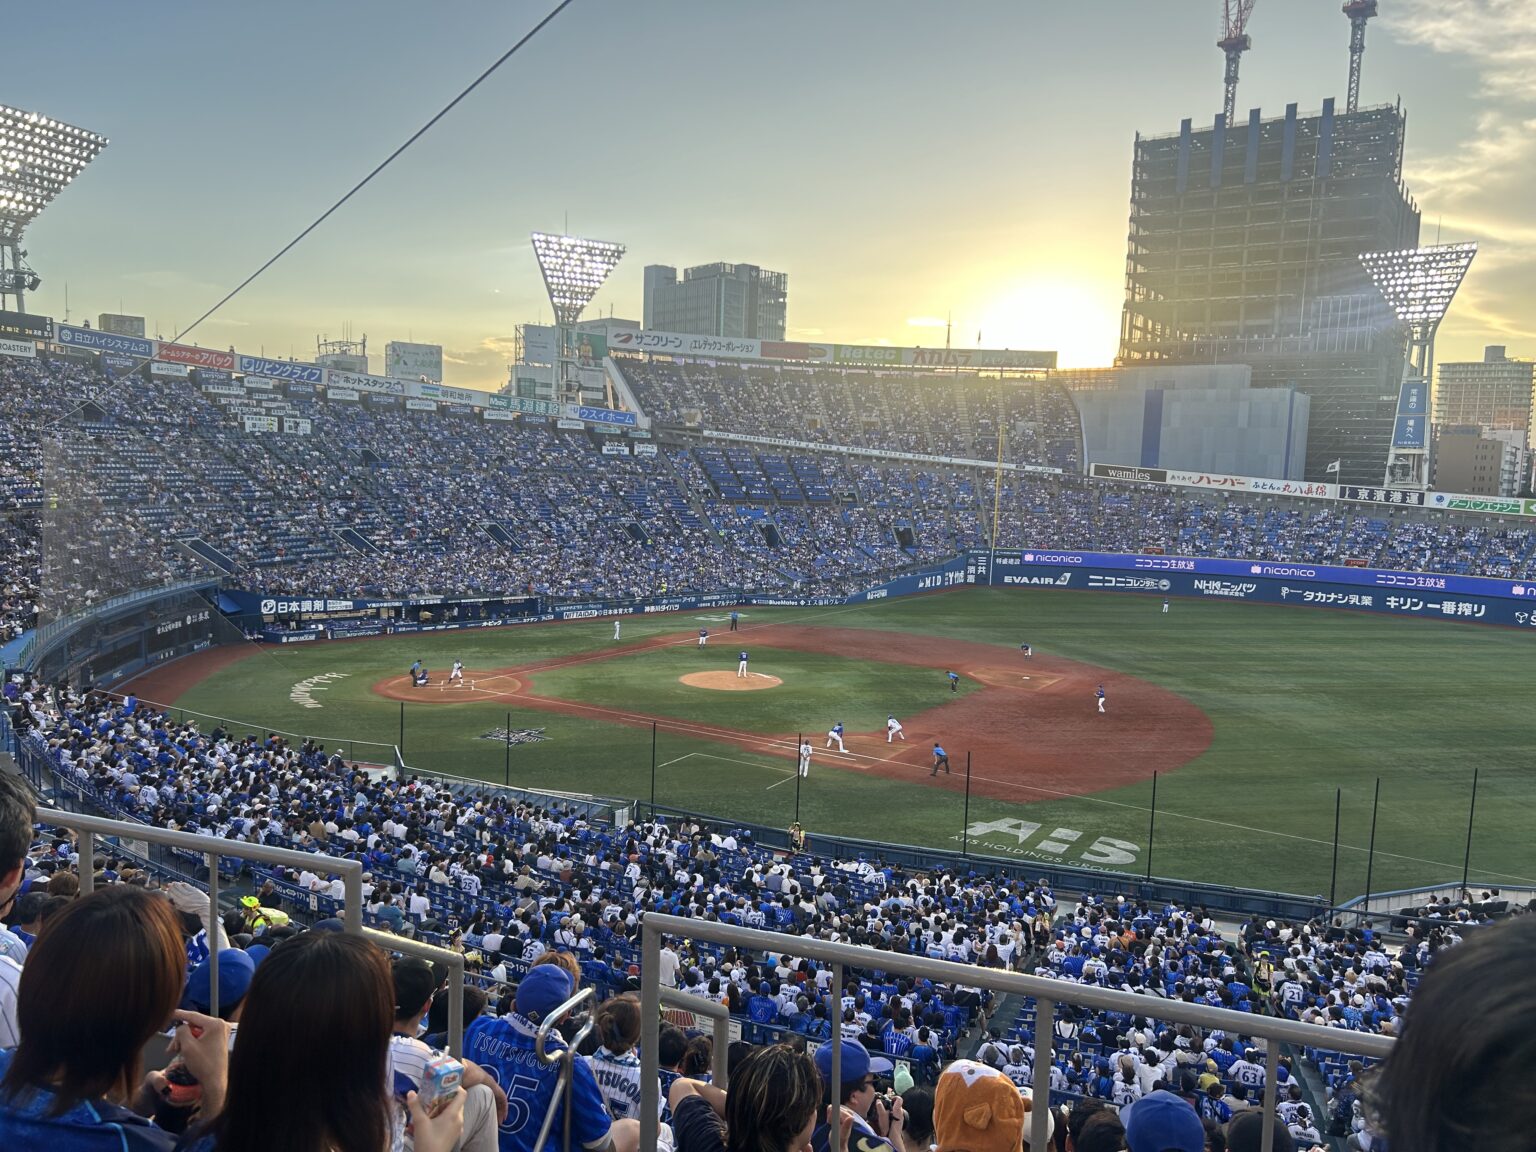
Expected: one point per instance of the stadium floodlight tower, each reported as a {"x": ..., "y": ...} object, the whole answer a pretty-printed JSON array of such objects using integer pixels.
[
  {"x": 1419, "y": 284},
  {"x": 39, "y": 156},
  {"x": 574, "y": 269}
]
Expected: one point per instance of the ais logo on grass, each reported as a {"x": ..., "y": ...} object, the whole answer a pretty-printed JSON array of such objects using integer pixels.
[{"x": 1059, "y": 846}]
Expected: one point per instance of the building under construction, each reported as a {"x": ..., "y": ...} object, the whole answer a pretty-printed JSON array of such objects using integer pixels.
[{"x": 1244, "y": 249}]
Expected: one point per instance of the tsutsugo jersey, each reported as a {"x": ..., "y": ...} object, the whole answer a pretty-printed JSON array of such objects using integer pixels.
[
  {"x": 504, "y": 1046},
  {"x": 618, "y": 1079}
]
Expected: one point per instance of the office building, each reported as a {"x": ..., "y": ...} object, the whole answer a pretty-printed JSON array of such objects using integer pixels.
[
  {"x": 1244, "y": 248},
  {"x": 1479, "y": 462},
  {"x": 735, "y": 300},
  {"x": 1493, "y": 393}
]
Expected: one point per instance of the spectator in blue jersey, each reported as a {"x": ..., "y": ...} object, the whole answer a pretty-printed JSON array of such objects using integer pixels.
[
  {"x": 506, "y": 1046},
  {"x": 104, "y": 977}
]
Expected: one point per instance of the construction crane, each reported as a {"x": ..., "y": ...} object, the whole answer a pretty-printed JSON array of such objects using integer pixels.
[
  {"x": 1358, "y": 11},
  {"x": 1234, "y": 42}
]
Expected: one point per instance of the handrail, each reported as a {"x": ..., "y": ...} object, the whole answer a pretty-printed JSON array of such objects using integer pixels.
[
  {"x": 1046, "y": 992},
  {"x": 432, "y": 953},
  {"x": 566, "y": 1058}
]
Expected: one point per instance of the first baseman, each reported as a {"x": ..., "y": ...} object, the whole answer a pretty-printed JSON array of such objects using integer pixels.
[
  {"x": 954, "y": 681},
  {"x": 893, "y": 729},
  {"x": 835, "y": 735}
]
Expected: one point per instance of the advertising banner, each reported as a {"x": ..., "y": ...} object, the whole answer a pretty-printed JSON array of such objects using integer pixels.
[
  {"x": 867, "y": 354},
  {"x": 25, "y": 349},
  {"x": 104, "y": 341},
  {"x": 217, "y": 388},
  {"x": 299, "y": 388},
  {"x": 296, "y": 426},
  {"x": 681, "y": 344},
  {"x": 498, "y": 414},
  {"x": 526, "y": 404},
  {"x": 1063, "y": 566},
  {"x": 194, "y": 356},
  {"x": 541, "y": 344},
  {"x": 877, "y": 453},
  {"x": 380, "y": 399},
  {"x": 340, "y": 393},
  {"x": 1380, "y": 495},
  {"x": 414, "y": 405},
  {"x": 280, "y": 369},
  {"x": 978, "y": 358},
  {"x": 459, "y": 410},
  {"x": 456, "y": 395},
  {"x": 260, "y": 423},
  {"x": 413, "y": 361},
  {"x": 212, "y": 376},
  {"x": 1409, "y": 432},
  {"x": 1126, "y": 472},
  {"x": 25, "y": 326},
  {"x": 645, "y": 449},
  {"x": 639, "y": 433},
  {"x": 1497, "y": 505},
  {"x": 362, "y": 382},
  {"x": 615, "y": 449},
  {"x": 110, "y": 362},
  {"x": 570, "y": 425},
  {"x": 598, "y": 415},
  {"x": 1413, "y": 398},
  {"x": 171, "y": 371},
  {"x": 260, "y": 383}
]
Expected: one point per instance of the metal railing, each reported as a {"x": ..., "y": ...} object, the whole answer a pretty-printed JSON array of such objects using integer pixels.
[
  {"x": 212, "y": 847},
  {"x": 1047, "y": 994}
]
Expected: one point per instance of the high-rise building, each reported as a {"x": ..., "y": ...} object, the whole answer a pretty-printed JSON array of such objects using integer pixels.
[
  {"x": 1244, "y": 249},
  {"x": 1479, "y": 462},
  {"x": 1494, "y": 393},
  {"x": 739, "y": 300}
]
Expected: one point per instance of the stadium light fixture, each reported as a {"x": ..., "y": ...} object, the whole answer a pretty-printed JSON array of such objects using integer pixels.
[
  {"x": 574, "y": 269},
  {"x": 1419, "y": 285},
  {"x": 39, "y": 156}
]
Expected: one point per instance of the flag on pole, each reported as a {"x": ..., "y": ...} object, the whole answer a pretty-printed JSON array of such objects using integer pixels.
[{"x": 1334, "y": 467}]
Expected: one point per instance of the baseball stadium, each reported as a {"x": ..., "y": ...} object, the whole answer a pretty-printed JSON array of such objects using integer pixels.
[{"x": 928, "y": 721}]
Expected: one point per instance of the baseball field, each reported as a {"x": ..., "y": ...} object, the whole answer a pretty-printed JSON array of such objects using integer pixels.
[{"x": 1252, "y": 718}]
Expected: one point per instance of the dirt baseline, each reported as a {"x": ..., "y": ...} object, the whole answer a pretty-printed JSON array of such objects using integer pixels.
[{"x": 722, "y": 681}]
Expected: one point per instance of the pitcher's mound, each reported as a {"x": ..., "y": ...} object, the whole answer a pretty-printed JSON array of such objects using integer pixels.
[{"x": 723, "y": 681}]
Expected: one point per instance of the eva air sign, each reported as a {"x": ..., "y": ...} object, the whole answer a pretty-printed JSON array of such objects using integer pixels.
[{"x": 1024, "y": 838}]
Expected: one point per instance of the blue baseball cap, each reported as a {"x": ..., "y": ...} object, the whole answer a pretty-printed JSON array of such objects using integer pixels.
[
  {"x": 857, "y": 1062},
  {"x": 1163, "y": 1122},
  {"x": 235, "y": 971},
  {"x": 545, "y": 988}
]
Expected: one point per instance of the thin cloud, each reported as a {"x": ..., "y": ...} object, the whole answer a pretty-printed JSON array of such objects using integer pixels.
[{"x": 1480, "y": 189}]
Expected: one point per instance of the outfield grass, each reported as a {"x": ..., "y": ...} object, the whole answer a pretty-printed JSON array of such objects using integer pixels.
[{"x": 1303, "y": 703}]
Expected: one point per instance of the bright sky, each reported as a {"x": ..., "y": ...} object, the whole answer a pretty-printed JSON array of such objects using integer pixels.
[{"x": 901, "y": 161}]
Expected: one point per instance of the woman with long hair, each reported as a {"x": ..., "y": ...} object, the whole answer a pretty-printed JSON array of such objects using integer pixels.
[
  {"x": 772, "y": 1104},
  {"x": 309, "y": 1071},
  {"x": 105, "y": 975}
]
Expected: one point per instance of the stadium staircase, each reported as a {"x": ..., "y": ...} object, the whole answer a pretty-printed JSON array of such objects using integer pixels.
[
  {"x": 500, "y": 534},
  {"x": 200, "y": 550},
  {"x": 356, "y": 541}
]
